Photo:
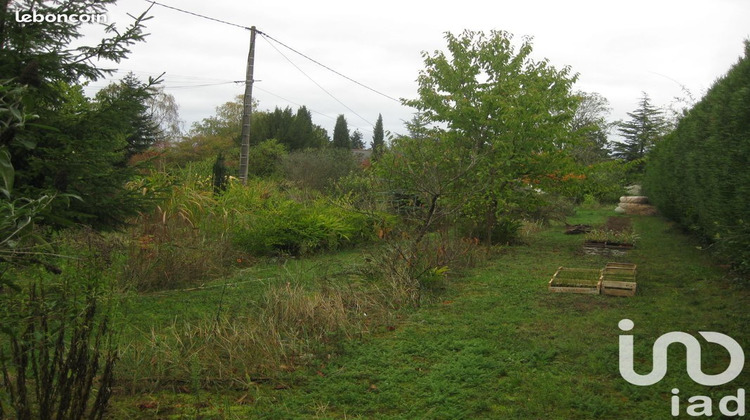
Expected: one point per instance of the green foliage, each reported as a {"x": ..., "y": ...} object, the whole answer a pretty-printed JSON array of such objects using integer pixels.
[
  {"x": 500, "y": 119},
  {"x": 84, "y": 155},
  {"x": 283, "y": 226},
  {"x": 227, "y": 123},
  {"x": 356, "y": 140},
  {"x": 591, "y": 128},
  {"x": 491, "y": 343},
  {"x": 221, "y": 134},
  {"x": 611, "y": 236},
  {"x": 57, "y": 353},
  {"x": 295, "y": 131},
  {"x": 265, "y": 159},
  {"x": 505, "y": 231},
  {"x": 318, "y": 169},
  {"x": 645, "y": 128},
  {"x": 341, "y": 138},
  {"x": 220, "y": 176},
  {"x": 18, "y": 215},
  {"x": 81, "y": 146},
  {"x": 606, "y": 180},
  {"x": 378, "y": 138},
  {"x": 184, "y": 240},
  {"x": 699, "y": 175},
  {"x": 128, "y": 101},
  {"x": 39, "y": 54}
]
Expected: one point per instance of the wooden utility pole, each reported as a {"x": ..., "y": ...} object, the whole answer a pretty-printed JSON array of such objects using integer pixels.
[{"x": 247, "y": 109}]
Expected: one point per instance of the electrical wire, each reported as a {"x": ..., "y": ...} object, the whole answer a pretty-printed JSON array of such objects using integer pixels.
[
  {"x": 265, "y": 35},
  {"x": 201, "y": 85},
  {"x": 199, "y": 15},
  {"x": 269, "y": 37},
  {"x": 319, "y": 85}
]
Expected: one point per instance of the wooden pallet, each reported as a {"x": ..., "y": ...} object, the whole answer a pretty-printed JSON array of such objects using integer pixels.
[
  {"x": 575, "y": 280},
  {"x": 619, "y": 279}
]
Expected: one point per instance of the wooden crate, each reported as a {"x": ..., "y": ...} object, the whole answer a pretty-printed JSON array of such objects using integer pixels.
[
  {"x": 607, "y": 249},
  {"x": 575, "y": 280},
  {"x": 619, "y": 279}
]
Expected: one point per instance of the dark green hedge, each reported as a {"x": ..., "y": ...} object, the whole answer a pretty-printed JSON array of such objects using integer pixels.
[{"x": 699, "y": 175}]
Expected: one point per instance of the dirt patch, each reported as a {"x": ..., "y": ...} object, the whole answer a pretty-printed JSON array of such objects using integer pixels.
[{"x": 618, "y": 224}]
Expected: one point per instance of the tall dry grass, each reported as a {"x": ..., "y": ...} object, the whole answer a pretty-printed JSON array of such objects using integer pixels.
[{"x": 296, "y": 323}]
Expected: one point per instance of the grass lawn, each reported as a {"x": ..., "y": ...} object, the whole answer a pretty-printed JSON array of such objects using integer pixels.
[{"x": 497, "y": 344}]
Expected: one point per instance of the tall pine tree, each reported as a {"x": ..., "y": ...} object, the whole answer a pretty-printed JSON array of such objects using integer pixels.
[
  {"x": 378, "y": 138},
  {"x": 76, "y": 145},
  {"x": 341, "y": 137},
  {"x": 645, "y": 127}
]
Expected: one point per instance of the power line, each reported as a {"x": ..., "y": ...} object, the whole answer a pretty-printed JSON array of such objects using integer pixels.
[
  {"x": 316, "y": 83},
  {"x": 201, "y": 85},
  {"x": 269, "y": 37},
  {"x": 198, "y": 15},
  {"x": 265, "y": 35}
]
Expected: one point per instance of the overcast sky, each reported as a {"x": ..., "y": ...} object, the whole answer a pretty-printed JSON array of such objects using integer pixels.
[{"x": 618, "y": 48}]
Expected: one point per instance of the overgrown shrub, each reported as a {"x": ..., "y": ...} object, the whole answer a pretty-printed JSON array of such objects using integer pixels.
[
  {"x": 183, "y": 241},
  {"x": 57, "y": 349},
  {"x": 605, "y": 181},
  {"x": 59, "y": 360},
  {"x": 318, "y": 169},
  {"x": 265, "y": 159},
  {"x": 283, "y": 226}
]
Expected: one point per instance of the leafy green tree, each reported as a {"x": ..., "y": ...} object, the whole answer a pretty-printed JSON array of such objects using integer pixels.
[
  {"x": 227, "y": 123},
  {"x": 418, "y": 126},
  {"x": 378, "y": 138},
  {"x": 591, "y": 128},
  {"x": 500, "y": 113},
  {"x": 220, "y": 133},
  {"x": 641, "y": 132},
  {"x": 341, "y": 136},
  {"x": 320, "y": 168}
]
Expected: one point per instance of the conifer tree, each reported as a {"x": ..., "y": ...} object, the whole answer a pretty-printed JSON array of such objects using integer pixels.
[
  {"x": 645, "y": 127},
  {"x": 356, "y": 140},
  {"x": 301, "y": 134},
  {"x": 76, "y": 145},
  {"x": 378, "y": 138},
  {"x": 341, "y": 137}
]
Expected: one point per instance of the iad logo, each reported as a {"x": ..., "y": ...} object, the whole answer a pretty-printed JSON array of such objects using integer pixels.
[
  {"x": 693, "y": 347},
  {"x": 702, "y": 405}
]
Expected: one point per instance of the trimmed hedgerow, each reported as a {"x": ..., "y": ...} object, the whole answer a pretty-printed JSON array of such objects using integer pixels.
[{"x": 699, "y": 175}]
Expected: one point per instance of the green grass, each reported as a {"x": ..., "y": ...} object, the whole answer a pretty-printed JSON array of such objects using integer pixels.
[{"x": 496, "y": 344}]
